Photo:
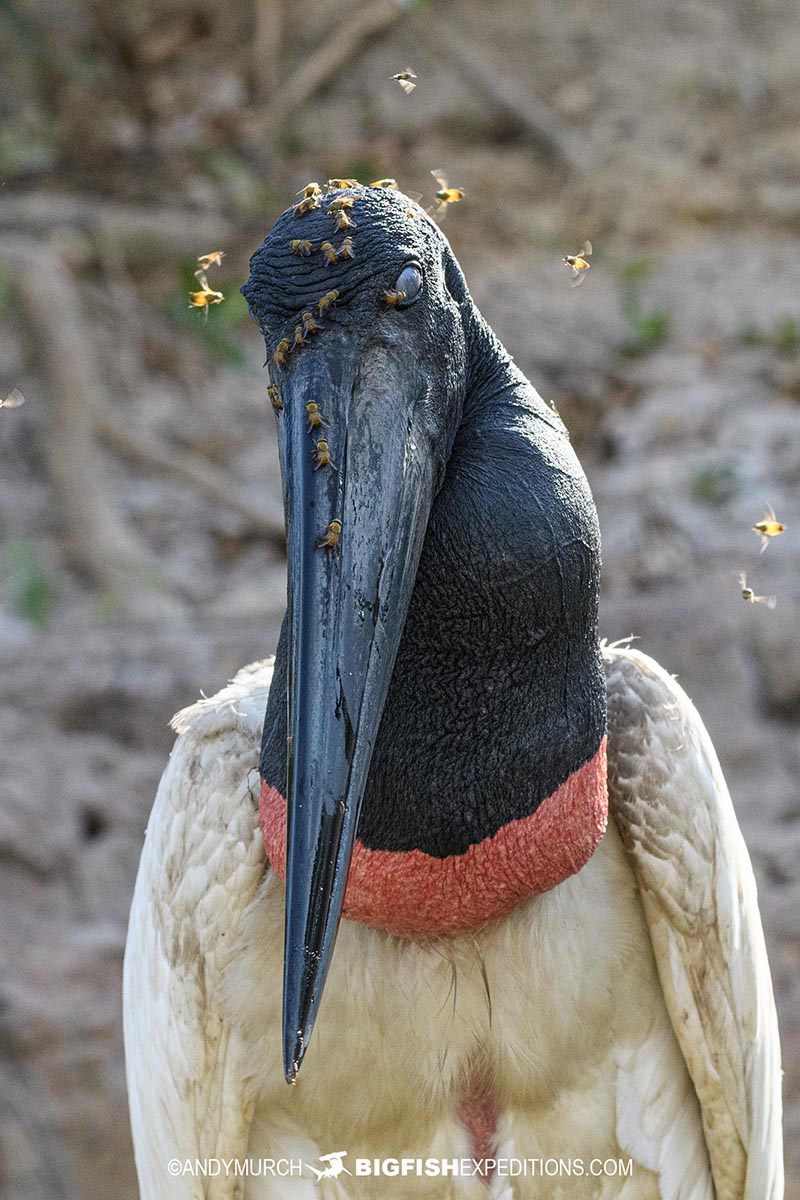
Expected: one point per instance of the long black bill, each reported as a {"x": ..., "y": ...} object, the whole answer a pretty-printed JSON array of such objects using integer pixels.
[{"x": 349, "y": 592}]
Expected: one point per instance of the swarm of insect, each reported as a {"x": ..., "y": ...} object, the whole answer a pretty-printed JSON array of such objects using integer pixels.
[
  {"x": 404, "y": 78},
  {"x": 214, "y": 259},
  {"x": 749, "y": 595},
  {"x": 445, "y": 196},
  {"x": 331, "y": 256},
  {"x": 321, "y": 455},
  {"x": 314, "y": 416},
  {"x": 327, "y": 301},
  {"x": 385, "y": 183},
  {"x": 330, "y": 538},
  {"x": 206, "y": 296},
  {"x": 578, "y": 263},
  {"x": 341, "y": 183},
  {"x": 309, "y": 324},
  {"x": 393, "y": 296},
  {"x": 769, "y": 527},
  {"x": 343, "y": 221},
  {"x": 306, "y": 206},
  {"x": 302, "y": 248},
  {"x": 339, "y": 203},
  {"x": 311, "y": 189},
  {"x": 347, "y": 248},
  {"x": 13, "y": 400},
  {"x": 281, "y": 350},
  {"x": 275, "y": 398}
]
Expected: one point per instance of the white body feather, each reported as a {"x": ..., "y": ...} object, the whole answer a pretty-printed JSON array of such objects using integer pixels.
[{"x": 602, "y": 1009}]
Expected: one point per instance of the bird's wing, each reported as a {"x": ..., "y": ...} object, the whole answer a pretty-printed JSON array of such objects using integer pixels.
[
  {"x": 202, "y": 863},
  {"x": 672, "y": 806}
]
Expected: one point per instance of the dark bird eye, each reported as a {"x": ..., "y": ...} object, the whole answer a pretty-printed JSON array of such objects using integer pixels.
[{"x": 409, "y": 282}]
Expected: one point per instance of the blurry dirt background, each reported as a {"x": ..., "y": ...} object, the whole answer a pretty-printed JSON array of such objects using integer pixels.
[{"x": 141, "y": 555}]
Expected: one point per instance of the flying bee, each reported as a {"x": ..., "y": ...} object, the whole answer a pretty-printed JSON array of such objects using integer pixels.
[
  {"x": 347, "y": 248},
  {"x": 306, "y": 206},
  {"x": 214, "y": 259},
  {"x": 339, "y": 203},
  {"x": 330, "y": 538},
  {"x": 749, "y": 595},
  {"x": 768, "y": 527},
  {"x": 578, "y": 263},
  {"x": 299, "y": 340},
  {"x": 341, "y": 183},
  {"x": 13, "y": 400},
  {"x": 393, "y": 296},
  {"x": 311, "y": 189},
  {"x": 205, "y": 297},
  {"x": 297, "y": 246},
  {"x": 309, "y": 324},
  {"x": 343, "y": 221},
  {"x": 321, "y": 455},
  {"x": 385, "y": 183},
  {"x": 445, "y": 195},
  {"x": 327, "y": 301},
  {"x": 404, "y": 79},
  {"x": 314, "y": 417},
  {"x": 331, "y": 256},
  {"x": 281, "y": 350},
  {"x": 275, "y": 398}
]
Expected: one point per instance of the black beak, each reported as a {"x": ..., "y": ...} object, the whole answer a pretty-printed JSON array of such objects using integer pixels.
[{"x": 348, "y": 600}]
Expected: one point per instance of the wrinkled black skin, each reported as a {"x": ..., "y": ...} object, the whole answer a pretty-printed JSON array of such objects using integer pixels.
[{"x": 497, "y": 694}]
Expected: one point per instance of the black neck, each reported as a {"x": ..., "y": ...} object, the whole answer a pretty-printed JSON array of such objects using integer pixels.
[{"x": 497, "y": 693}]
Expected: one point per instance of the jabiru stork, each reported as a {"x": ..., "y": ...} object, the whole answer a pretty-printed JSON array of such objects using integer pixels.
[{"x": 444, "y": 735}]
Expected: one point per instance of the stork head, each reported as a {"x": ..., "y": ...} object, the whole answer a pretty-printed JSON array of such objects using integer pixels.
[{"x": 381, "y": 356}]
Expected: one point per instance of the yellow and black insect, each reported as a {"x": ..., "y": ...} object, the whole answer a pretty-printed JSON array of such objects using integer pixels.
[
  {"x": 327, "y": 301},
  {"x": 306, "y": 206},
  {"x": 343, "y": 221},
  {"x": 769, "y": 527},
  {"x": 214, "y": 259},
  {"x": 275, "y": 398},
  {"x": 385, "y": 183},
  {"x": 14, "y": 399},
  {"x": 206, "y": 296},
  {"x": 298, "y": 246},
  {"x": 331, "y": 256},
  {"x": 330, "y": 538},
  {"x": 749, "y": 595},
  {"x": 309, "y": 324},
  {"x": 445, "y": 196},
  {"x": 311, "y": 189},
  {"x": 347, "y": 248},
  {"x": 341, "y": 202},
  {"x": 404, "y": 78},
  {"x": 341, "y": 183},
  {"x": 393, "y": 296},
  {"x": 578, "y": 263},
  {"x": 299, "y": 339},
  {"x": 321, "y": 455},
  {"x": 314, "y": 416},
  {"x": 281, "y": 350}
]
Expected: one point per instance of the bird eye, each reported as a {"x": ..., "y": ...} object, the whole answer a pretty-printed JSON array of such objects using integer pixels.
[{"x": 409, "y": 282}]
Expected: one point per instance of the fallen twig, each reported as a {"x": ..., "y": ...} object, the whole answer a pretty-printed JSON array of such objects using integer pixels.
[
  {"x": 191, "y": 468},
  {"x": 543, "y": 126},
  {"x": 98, "y": 540}
]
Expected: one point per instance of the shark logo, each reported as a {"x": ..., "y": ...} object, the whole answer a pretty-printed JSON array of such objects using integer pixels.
[{"x": 335, "y": 1166}]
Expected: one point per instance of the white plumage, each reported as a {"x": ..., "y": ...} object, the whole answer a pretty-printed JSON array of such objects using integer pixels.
[{"x": 627, "y": 1012}]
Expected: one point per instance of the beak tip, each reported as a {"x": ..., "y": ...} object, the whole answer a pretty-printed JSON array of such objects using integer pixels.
[{"x": 293, "y": 1057}]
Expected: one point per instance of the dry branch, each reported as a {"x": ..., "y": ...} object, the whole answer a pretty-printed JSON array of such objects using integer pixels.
[
  {"x": 99, "y": 541},
  {"x": 328, "y": 60},
  {"x": 190, "y": 468},
  {"x": 543, "y": 126}
]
